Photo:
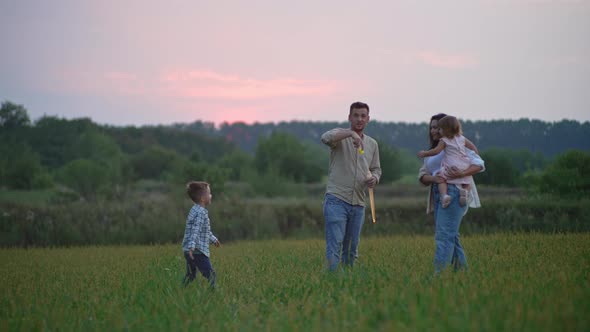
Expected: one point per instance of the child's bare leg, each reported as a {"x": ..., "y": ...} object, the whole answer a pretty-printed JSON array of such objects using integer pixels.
[{"x": 443, "y": 190}]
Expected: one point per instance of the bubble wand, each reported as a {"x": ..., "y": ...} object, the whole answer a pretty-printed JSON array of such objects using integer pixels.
[{"x": 371, "y": 193}]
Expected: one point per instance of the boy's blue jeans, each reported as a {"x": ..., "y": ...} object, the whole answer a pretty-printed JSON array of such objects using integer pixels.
[
  {"x": 446, "y": 235},
  {"x": 201, "y": 262},
  {"x": 343, "y": 229}
]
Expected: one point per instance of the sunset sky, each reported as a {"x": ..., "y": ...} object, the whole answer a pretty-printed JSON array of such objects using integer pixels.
[{"x": 160, "y": 62}]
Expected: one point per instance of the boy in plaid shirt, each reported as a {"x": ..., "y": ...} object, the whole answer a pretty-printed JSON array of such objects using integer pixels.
[{"x": 197, "y": 234}]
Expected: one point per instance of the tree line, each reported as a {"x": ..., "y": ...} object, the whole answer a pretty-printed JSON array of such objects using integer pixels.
[
  {"x": 545, "y": 138},
  {"x": 93, "y": 160}
]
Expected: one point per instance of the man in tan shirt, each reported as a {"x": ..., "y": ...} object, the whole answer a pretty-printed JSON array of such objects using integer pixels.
[{"x": 354, "y": 167}]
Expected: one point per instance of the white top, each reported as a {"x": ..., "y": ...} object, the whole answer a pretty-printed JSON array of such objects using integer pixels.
[{"x": 432, "y": 165}]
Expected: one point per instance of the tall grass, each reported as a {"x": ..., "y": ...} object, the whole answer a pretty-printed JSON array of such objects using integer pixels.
[
  {"x": 156, "y": 218},
  {"x": 523, "y": 282}
]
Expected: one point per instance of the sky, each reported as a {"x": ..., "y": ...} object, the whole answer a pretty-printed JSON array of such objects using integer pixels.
[{"x": 142, "y": 62}]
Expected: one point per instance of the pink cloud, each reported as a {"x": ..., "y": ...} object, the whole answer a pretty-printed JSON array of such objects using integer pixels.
[
  {"x": 209, "y": 84},
  {"x": 451, "y": 61},
  {"x": 187, "y": 83},
  {"x": 246, "y": 114},
  {"x": 188, "y": 95}
]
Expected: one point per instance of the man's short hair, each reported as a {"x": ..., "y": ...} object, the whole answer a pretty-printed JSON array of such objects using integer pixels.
[
  {"x": 358, "y": 104},
  {"x": 196, "y": 189}
]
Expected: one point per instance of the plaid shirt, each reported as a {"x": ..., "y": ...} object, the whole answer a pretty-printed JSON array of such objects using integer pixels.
[{"x": 197, "y": 233}]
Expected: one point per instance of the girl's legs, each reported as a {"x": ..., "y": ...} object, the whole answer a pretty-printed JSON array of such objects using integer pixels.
[{"x": 445, "y": 198}]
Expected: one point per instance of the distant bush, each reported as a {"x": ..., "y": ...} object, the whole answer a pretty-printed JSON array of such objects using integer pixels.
[
  {"x": 508, "y": 167},
  {"x": 272, "y": 184},
  {"x": 162, "y": 220},
  {"x": 21, "y": 168},
  {"x": 567, "y": 176},
  {"x": 153, "y": 162},
  {"x": 284, "y": 154},
  {"x": 84, "y": 176},
  {"x": 391, "y": 163},
  {"x": 238, "y": 163},
  {"x": 500, "y": 170},
  {"x": 185, "y": 171}
]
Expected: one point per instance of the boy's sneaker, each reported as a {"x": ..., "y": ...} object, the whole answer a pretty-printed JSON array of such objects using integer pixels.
[
  {"x": 446, "y": 200},
  {"x": 463, "y": 197}
]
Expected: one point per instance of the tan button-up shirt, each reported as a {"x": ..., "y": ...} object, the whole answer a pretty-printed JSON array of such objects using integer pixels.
[{"x": 349, "y": 169}]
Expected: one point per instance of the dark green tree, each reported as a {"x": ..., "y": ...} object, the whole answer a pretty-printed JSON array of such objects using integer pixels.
[
  {"x": 500, "y": 170},
  {"x": 238, "y": 163},
  {"x": 214, "y": 175},
  {"x": 13, "y": 116},
  {"x": 567, "y": 176},
  {"x": 284, "y": 153},
  {"x": 20, "y": 168},
  {"x": 52, "y": 138},
  {"x": 153, "y": 162},
  {"x": 103, "y": 150},
  {"x": 84, "y": 176},
  {"x": 391, "y": 163}
]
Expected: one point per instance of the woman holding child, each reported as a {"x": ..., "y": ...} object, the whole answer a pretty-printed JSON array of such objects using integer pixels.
[{"x": 448, "y": 219}]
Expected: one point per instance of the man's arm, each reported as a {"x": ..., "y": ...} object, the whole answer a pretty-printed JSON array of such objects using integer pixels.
[
  {"x": 375, "y": 169},
  {"x": 332, "y": 137}
]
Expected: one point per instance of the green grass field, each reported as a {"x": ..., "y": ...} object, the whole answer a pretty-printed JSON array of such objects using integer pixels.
[{"x": 516, "y": 282}]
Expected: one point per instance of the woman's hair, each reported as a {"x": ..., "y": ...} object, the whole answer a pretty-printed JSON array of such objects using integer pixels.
[
  {"x": 450, "y": 126},
  {"x": 436, "y": 117},
  {"x": 196, "y": 189}
]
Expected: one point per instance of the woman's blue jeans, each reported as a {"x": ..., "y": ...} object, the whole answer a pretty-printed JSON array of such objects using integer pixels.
[
  {"x": 446, "y": 235},
  {"x": 343, "y": 229}
]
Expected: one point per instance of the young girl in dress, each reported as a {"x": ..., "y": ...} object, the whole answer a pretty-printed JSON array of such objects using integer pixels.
[{"x": 453, "y": 143}]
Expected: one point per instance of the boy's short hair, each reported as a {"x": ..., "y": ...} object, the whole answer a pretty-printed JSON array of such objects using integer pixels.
[{"x": 196, "y": 189}]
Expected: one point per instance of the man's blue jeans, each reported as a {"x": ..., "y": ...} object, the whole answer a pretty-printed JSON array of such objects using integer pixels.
[
  {"x": 446, "y": 235},
  {"x": 343, "y": 229}
]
